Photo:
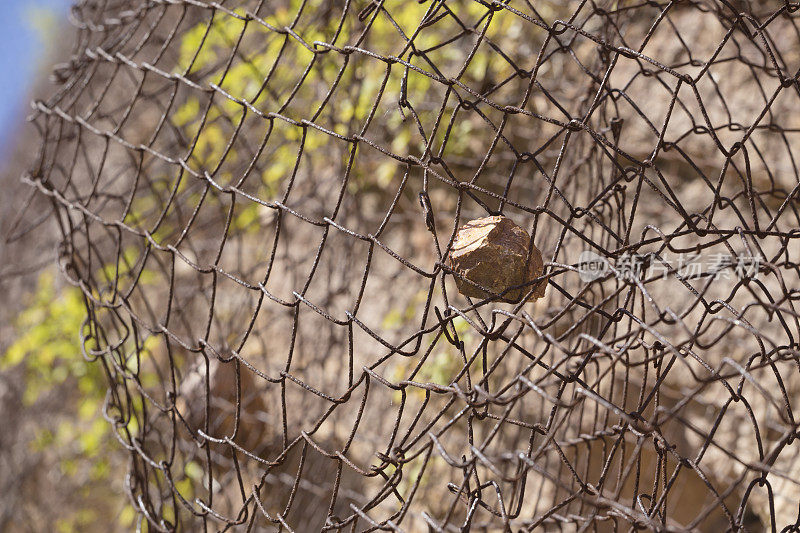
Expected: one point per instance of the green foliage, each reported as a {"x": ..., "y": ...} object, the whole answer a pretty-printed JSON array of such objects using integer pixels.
[
  {"x": 259, "y": 66},
  {"x": 80, "y": 441},
  {"x": 398, "y": 318},
  {"x": 204, "y": 51},
  {"x": 441, "y": 366},
  {"x": 48, "y": 343}
]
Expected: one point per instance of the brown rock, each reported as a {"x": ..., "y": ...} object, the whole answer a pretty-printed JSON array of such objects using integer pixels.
[{"x": 492, "y": 252}]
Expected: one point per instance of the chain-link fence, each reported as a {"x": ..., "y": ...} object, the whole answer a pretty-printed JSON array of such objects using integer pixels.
[{"x": 258, "y": 200}]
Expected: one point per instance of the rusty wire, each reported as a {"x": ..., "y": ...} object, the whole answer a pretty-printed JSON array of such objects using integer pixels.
[{"x": 257, "y": 199}]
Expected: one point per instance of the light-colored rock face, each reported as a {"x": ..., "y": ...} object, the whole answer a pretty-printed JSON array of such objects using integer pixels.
[{"x": 492, "y": 254}]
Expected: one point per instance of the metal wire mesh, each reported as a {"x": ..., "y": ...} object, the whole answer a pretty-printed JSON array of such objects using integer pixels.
[{"x": 257, "y": 200}]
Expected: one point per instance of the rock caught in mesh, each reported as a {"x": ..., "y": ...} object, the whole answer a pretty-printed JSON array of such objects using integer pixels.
[{"x": 490, "y": 257}]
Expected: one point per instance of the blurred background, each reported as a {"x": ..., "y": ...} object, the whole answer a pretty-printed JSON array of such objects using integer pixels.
[
  {"x": 50, "y": 479},
  {"x": 61, "y": 465}
]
